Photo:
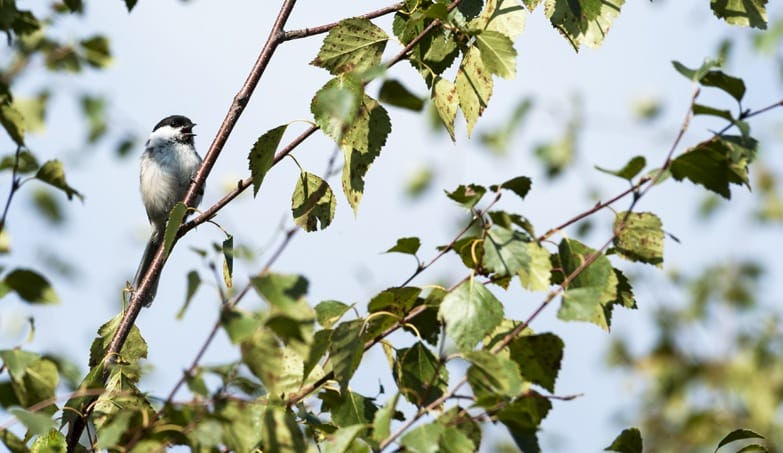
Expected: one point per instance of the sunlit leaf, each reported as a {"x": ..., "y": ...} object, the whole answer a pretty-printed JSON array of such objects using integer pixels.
[
  {"x": 583, "y": 22},
  {"x": 470, "y": 311},
  {"x": 745, "y": 13},
  {"x": 52, "y": 173},
  {"x": 312, "y": 203},
  {"x": 474, "y": 87},
  {"x": 263, "y": 153},
  {"x": 355, "y": 44}
]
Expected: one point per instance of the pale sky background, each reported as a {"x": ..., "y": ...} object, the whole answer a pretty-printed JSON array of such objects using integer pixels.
[{"x": 191, "y": 58}]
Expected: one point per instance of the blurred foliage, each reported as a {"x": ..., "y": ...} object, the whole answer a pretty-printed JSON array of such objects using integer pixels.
[{"x": 716, "y": 362}]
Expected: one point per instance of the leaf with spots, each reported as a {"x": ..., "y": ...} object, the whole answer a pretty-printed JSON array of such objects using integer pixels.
[
  {"x": 361, "y": 145},
  {"x": 474, "y": 87},
  {"x": 497, "y": 53},
  {"x": 354, "y": 45},
  {"x": 583, "y": 22},
  {"x": 312, "y": 203},
  {"x": 446, "y": 101},
  {"x": 336, "y": 105},
  {"x": 640, "y": 237},
  {"x": 503, "y": 16},
  {"x": 589, "y": 296}
]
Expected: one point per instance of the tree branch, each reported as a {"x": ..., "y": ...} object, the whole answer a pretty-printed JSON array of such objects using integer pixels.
[
  {"x": 234, "y": 112},
  {"x": 312, "y": 31}
]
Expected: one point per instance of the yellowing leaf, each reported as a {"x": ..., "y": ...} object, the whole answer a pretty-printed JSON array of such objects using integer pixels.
[
  {"x": 745, "y": 13},
  {"x": 355, "y": 44},
  {"x": 503, "y": 16},
  {"x": 361, "y": 144},
  {"x": 583, "y": 22},
  {"x": 498, "y": 53},
  {"x": 474, "y": 87},
  {"x": 446, "y": 101},
  {"x": 312, "y": 203}
]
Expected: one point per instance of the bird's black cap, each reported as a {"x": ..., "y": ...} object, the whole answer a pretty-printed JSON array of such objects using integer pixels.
[{"x": 175, "y": 121}]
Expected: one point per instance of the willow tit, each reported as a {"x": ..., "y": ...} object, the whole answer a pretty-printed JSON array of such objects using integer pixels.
[{"x": 168, "y": 165}]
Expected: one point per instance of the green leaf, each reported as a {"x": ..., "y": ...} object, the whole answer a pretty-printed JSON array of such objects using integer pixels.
[
  {"x": 419, "y": 375},
  {"x": 75, "y": 6},
  {"x": 408, "y": 246},
  {"x": 228, "y": 261},
  {"x": 468, "y": 196},
  {"x": 346, "y": 349},
  {"x": 503, "y": 16},
  {"x": 470, "y": 311},
  {"x": 734, "y": 86},
  {"x": 52, "y": 173},
  {"x": 354, "y": 45},
  {"x": 492, "y": 378},
  {"x": 263, "y": 355},
  {"x": 474, "y": 87},
  {"x": 394, "y": 93},
  {"x": 134, "y": 349},
  {"x": 33, "y": 379},
  {"x": 583, "y": 22},
  {"x": 329, "y": 312},
  {"x": 176, "y": 217},
  {"x": 446, "y": 101},
  {"x": 696, "y": 74},
  {"x": 283, "y": 291},
  {"x": 312, "y": 203},
  {"x": 423, "y": 439},
  {"x": 280, "y": 431},
  {"x": 349, "y": 408},
  {"x": 26, "y": 162},
  {"x": 33, "y": 110},
  {"x": 629, "y": 441},
  {"x": 130, "y": 4},
  {"x": 96, "y": 51},
  {"x": 396, "y": 302},
  {"x": 318, "y": 347},
  {"x": 630, "y": 170},
  {"x": 12, "y": 442},
  {"x": 497, "y": 53},
  {"x": 505, "y": 252},
  {"x": 519, "y": 185},
  {"x": 699, "y": 109},
  {"x": 738, "y": 434},
  {"x": 361, "y": 144},
  {"x": 336, "y": 105},
  {"x": 381, "y": 424},
  {"x": 194, "y": 281},
  {"x": 458, "y": 419},
  {"x": 31, "y": 286},
  {"x": 745, "y": 13},
  {"x": 35, "y": 422},
  {"x": 238, "y": 324},
  {"x": 344, "y": 440},
  {"x": 263, "y": 154},
  {"x": 640, "y": 237},
  {"x": 94, "y": 109},
  {"x": 53, "y": 442},
  {"x": 12, "y": 120},
  {"x": 589, "y": 295},
  {"x": 716, "y": 163},
  {"x": 536, "y": 275},
  {"x": 523, "y": 417},
  {"x": 753, "y": 447},
  {"x": 538, "y": 357}
]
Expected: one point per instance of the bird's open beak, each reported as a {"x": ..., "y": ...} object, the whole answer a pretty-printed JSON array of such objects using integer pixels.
[{"x": 189, "y": 130}]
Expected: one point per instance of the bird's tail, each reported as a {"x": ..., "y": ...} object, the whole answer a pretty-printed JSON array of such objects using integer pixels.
[{"x": 146, "y": 260}]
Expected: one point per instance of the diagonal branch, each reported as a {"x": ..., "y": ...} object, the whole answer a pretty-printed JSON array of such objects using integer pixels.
[{"x": 237, "y": 107}]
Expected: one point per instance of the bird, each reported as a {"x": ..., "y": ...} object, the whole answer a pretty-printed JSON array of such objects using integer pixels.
[{"x": 168, "y": 165}]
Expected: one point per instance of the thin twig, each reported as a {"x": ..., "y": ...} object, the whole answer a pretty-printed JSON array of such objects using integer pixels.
[
  {"x": 14, "y": 187},
  {"x": 312, "y": 31}
]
